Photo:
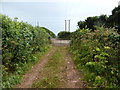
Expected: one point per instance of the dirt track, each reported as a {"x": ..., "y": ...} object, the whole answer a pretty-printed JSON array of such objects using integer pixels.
[
  {"x": 32, "y": 74},
  {"x": 72, "y": 76}
]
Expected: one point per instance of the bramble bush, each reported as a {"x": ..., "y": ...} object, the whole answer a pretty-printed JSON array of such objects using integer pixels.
[
  {"x": 97, "y": 55},
  {"x": 20, "y": 41}
]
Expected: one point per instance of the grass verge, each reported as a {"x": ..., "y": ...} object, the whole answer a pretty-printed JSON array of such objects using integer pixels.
[{"x": 15, "y": 78}]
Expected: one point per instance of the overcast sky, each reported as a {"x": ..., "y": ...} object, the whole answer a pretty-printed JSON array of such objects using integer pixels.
[{"x": 52, "y": 13}]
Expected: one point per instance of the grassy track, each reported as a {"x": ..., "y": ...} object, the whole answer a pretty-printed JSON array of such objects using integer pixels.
[
  {"x": 51, "y": 73},
  {"x": 55, "y": 70}
]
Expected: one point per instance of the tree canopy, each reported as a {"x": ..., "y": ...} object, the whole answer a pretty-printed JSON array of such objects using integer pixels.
[
  {"x": 102, "y": 20},
  {"x": 64, "y": 35}
]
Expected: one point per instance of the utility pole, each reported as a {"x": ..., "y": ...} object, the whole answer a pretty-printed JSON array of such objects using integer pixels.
[
  {"x": 69, "y": 25},
  {"x": 65, "y": 25},
  {"x": 37, "y": 23}
]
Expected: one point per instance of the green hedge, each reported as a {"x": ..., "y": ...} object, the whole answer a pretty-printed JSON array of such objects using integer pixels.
[
  {"x": 64, "y": 35},
  {"x": 52, "y": 35},
  {"x": 20, "y": 41},
  {"x": 97, "y": 55}
]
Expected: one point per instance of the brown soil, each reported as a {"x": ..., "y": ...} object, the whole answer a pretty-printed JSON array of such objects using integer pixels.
[{"x": 72, "y": 77}]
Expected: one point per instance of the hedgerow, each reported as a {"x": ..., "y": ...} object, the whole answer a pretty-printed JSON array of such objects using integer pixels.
[
  {"x": 97, "y": 55},
  {"x": 64, "y": 35},
  {"x": 20, "y": 41}
]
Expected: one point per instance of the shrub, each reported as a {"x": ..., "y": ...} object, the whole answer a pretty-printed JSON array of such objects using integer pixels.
[
  {"x": 64, "y": 35},
  {"x": 52, "y": 35},
  {"x": 97, "y": 53},
  {"x": 19, "y": 41}
]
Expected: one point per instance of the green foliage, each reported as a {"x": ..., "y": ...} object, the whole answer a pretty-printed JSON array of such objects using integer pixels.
[
  {"x": 82, "y": 24},
  {"x": 52, "y": 35},
  {"x": 90, "y": 22},
  {"x": 97, "y": 53},
  {"x": 64, "y": 35},
  {"x": 102, "y": 20},
  {"x": 114, "y": 19},
  {"x": 19, "y": 41}
]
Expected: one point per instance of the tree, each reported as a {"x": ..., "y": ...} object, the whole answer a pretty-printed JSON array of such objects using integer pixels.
[
  {"x": 102, "y": 20},
  {"x": 114, "y": 19},
  {"x": 91, "y": 21},
  {"x": 82, "y": 24},
  {"x": 64, "y": 35}
]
